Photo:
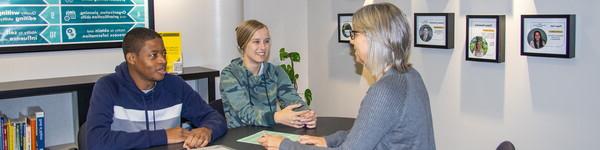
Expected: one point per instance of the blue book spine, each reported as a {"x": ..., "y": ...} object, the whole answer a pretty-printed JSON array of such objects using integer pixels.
[
  {"x": 40, "y": 130},
  {"x": 22, "y": 136}
]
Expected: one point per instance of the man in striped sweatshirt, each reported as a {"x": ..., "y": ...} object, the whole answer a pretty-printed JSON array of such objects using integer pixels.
[{"x": 140, "y": 105}]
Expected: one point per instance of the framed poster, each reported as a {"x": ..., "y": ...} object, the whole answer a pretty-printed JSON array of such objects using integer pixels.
[
  {"x": 434, "y": 30},
  {"x": 548, "y": 35},
  {"x": 485, "y": 38},
  {"x": 344, "y": 27},
  {"x": 54, "y": 25}
]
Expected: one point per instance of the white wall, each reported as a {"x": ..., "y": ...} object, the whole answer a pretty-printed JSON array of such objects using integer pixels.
[
  {"x": 537, "y": 103},
  {"x": 336, "y": 84},
  {"x": 207, "y": 27}
]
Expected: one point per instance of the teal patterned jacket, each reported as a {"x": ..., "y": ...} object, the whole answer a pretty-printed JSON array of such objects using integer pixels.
[{"x": 250, "y": 100}]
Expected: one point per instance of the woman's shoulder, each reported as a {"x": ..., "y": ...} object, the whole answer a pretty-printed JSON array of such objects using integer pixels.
[
  {"x": 273, "y": 69},
  {"x": 394, "y": 88},
  {"x": 393, "y": 80},
  {"x": 393, "y": 75},
  {"x": 234, "y": 68}
]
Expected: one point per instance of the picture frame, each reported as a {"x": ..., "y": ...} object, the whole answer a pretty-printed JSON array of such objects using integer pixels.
[
  {"x": 344, "y": 27},
  {"x": 434, "y": 30},
  {"x": 485, "y": 38},
  {"x": 548, "y": 35}
]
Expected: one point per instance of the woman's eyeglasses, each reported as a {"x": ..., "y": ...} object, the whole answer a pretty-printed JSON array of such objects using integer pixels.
[{"x": 353, "y": 34}]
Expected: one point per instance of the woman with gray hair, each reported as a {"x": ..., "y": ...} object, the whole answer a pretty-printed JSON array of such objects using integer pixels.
[{"x": 395, "y": 113}]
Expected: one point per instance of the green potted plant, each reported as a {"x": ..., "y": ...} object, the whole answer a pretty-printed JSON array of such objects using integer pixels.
[{"x": 289, "y": 69}]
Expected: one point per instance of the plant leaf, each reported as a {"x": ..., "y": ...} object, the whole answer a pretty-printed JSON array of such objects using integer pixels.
[
  {"x": 308, "y": 96},
  {"x": 295, "y": 56},
  {"x": 283, "y": 67},
  {"x": 283, "y": 54}
]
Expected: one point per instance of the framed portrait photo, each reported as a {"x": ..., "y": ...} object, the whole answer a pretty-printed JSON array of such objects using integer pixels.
[
  {"x": 548, "y": 35},
  {"x": 485, "y": 38},
  {"x": 434, "y": 30},
  {"x": 344, "y": 27}
]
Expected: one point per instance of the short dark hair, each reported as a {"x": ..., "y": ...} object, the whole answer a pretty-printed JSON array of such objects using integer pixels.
[{"x": 134, "y": 39}]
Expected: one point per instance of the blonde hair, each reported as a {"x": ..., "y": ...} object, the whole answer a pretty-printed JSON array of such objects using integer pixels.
[
  {"x": 245, "y": 31},
  {"x": 387, "y": 31}
]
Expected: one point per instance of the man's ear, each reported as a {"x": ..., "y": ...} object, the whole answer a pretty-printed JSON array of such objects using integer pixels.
[{"x": 131, "y": 58}]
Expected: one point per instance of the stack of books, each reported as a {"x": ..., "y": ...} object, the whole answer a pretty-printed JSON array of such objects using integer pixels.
[{"x": 24, "y": 132}]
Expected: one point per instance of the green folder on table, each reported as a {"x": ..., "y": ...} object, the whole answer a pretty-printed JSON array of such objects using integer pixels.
[{"x": 253, "y": 139}]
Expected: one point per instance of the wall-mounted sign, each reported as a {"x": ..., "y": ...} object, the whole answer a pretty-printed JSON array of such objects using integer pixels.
[
  {"x": 548, "y": 35},
  {"x": 434, "y": 30},
  {"x": 50, "y": 25},
  {"x": 485, "y": 38}
]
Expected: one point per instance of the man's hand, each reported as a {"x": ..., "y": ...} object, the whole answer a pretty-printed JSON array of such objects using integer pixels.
[
  {"x": 289, "y": 117},
  {"x": 270, "y": 142},
  {"x": 313, "y": 140},
  {"x": 198, "y": 137},
  {"x": 175, "y": 135}
]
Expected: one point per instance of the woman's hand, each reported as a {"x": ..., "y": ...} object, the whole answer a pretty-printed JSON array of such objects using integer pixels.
[
  {"x": 289, "y": 117},
  {"x": 309, "y": 119},
  {"x": 270, "y": 142},
  {"x": 313, "y": 140}
]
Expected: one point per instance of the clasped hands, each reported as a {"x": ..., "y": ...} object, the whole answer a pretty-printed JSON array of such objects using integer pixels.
[
  {"x": 195, "y": 138},
  {"x": 296, "y": 119}
]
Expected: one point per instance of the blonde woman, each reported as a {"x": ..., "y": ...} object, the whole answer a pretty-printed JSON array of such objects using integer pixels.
[
  {"x": 251, "y": 87},
  {"x": 395, "y": 113}
]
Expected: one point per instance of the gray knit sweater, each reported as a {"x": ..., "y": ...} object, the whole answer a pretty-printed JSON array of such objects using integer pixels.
[{"x": 394, "y": 115}]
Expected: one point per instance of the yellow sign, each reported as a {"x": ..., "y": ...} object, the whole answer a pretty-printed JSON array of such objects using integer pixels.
[{"x": 172, "y": 42}]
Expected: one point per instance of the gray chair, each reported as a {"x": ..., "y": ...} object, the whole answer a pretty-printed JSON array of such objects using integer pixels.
[
  {"x": 81, "y": 137},
  {"x": 506, "y": 145},
  {"x": 218, "y": 106}
]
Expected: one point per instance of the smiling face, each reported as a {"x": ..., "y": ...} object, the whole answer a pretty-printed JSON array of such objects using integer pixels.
[
  {"x": 257, "y": 49},
  {"x": 148, "y": 65}
]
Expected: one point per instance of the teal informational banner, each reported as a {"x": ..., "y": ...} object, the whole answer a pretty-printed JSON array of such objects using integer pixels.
[{"x": 50, "y": 25}]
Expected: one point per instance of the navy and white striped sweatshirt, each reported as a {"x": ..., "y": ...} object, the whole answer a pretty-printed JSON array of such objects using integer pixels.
[{"x": 121, "y": 116}]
